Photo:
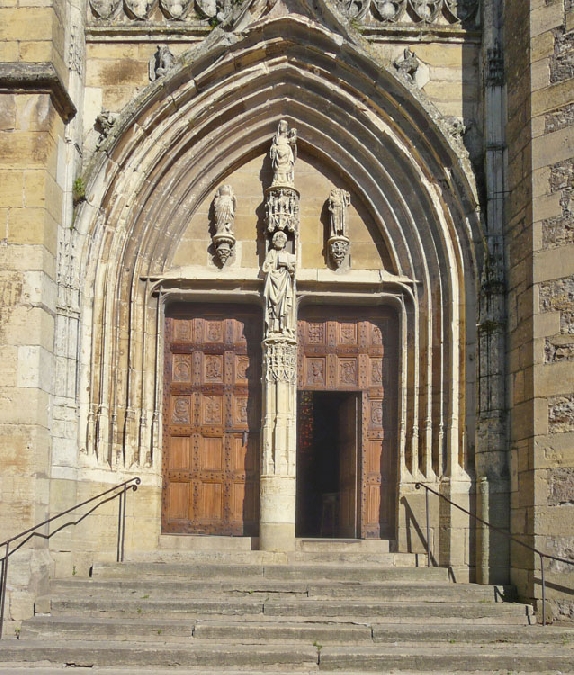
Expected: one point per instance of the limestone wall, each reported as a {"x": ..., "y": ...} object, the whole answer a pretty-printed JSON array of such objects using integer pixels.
[{"x": 541, "y": 267}]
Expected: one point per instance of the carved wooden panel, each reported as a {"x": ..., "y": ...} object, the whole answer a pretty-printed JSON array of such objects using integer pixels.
[
  {"x": 354, "y": 349},
  {"x": 211, "y": 419}
]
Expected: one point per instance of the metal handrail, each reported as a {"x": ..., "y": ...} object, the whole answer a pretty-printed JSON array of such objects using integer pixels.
[
  {"x": 26, "y": 535},
  {"x": 509, "y": 536}
]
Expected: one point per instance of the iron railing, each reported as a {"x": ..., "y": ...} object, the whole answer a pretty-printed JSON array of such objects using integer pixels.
[
  {"x": 541, "y": 554},
  {"x": 117, "y": 492}
]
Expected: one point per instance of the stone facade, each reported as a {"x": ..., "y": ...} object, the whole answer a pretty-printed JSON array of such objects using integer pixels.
[{"x": 433, "y": 177}]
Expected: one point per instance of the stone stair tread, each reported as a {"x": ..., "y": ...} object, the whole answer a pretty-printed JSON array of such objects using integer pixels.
[
  {"x": 531, "y": 658},
  {"x": 233, "y": 569},
  {"x": 85, "y": 583},
  {"x": 41, "y": 669},
  {"x": 114, "y": 653}
]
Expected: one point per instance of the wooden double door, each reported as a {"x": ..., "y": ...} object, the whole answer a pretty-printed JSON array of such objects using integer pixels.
[
  {"x": 346, "y": 421},
  {"x": 211, "y": 420}
]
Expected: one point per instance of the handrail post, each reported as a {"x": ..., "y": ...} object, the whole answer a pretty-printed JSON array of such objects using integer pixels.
[
  {"x": 428, "y": 528},
  {"x": 542, "y": 578},
  {"x": 121, "y": 526},
  {"x": 3, "y": 580}
]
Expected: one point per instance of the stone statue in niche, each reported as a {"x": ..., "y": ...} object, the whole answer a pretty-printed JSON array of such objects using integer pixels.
[
  {"x": 161, "y": 62},
  {"x": 283, "y": 154},
  {"x": 339, "y": 200},
  {"x": 279, "y": 291},
  {"x": 224, "y": 207},
  {"x": 339, "y": 242}
]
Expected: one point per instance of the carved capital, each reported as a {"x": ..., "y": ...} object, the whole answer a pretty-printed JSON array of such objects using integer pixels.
[
  {"x": 282, "y": 207},
  {"x": 280, "y": 360}
]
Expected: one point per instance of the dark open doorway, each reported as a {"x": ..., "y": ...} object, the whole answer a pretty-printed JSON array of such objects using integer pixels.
[{"x": 327, "y": 464}]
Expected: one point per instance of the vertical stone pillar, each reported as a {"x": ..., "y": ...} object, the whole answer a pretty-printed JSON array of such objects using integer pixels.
[
  {"x": 277, "y": 524},
  {"x": 492, "y": 458},
  {"x": 278, "y": 434}
]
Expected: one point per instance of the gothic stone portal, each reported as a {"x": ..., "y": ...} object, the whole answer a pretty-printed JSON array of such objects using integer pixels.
[{"x": 346, "y": 472}]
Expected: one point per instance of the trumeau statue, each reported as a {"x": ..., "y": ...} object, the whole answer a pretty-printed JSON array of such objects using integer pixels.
[
  {"x": 224, "y": 206},
  {"x": 279, "y": 291},
  {"x": 283, "y": 154}
]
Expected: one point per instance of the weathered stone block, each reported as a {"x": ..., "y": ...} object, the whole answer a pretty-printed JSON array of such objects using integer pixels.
[
  {"x": 11, "y": 188},
  {"x": 560, "y": 486},
  {"x": 562, "y": 118},
  {"x": 33, "y": 23},
  {"x": 36, "y": 52},
  {"x": 545, "y": 18},
  {"x": 559, "y": 348},
  {"x": 562, "y": 61},
  {"x": 562, "y": 175},
  {"x": 561, "y": 413},
  {"x": 558, "y": 296},
  {"x": 541, "y": 46}
]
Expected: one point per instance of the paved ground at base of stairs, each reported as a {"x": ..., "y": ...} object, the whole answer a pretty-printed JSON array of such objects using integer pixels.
[{"x": 6, "y": 669}]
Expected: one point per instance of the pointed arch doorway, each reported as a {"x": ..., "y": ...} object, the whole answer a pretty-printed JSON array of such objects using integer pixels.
[{"x": 347, "y": 422}]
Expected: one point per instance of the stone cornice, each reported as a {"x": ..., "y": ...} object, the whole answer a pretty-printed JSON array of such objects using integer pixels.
[{"x": 38, "y": 78}]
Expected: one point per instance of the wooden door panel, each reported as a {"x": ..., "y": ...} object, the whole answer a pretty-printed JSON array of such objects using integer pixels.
[
  {"x": 209, "y": 501},
  {"x": 180, "y": 453},
  {"x": 211, "y": 420},
  {"x": 348, "y": 466},
  {"x": 179, "y": 501},
  {"x": 211, "y": 455}
]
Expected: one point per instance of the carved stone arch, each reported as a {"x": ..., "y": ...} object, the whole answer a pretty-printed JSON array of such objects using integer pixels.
[{"x": 189, "y": 131}]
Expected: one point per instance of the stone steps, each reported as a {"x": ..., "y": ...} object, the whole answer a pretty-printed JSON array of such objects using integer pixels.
[{"x": 214, "y": 614}]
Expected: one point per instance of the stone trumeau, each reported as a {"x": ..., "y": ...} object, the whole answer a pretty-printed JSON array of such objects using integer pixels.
[{"x": 232, "y": 230}]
